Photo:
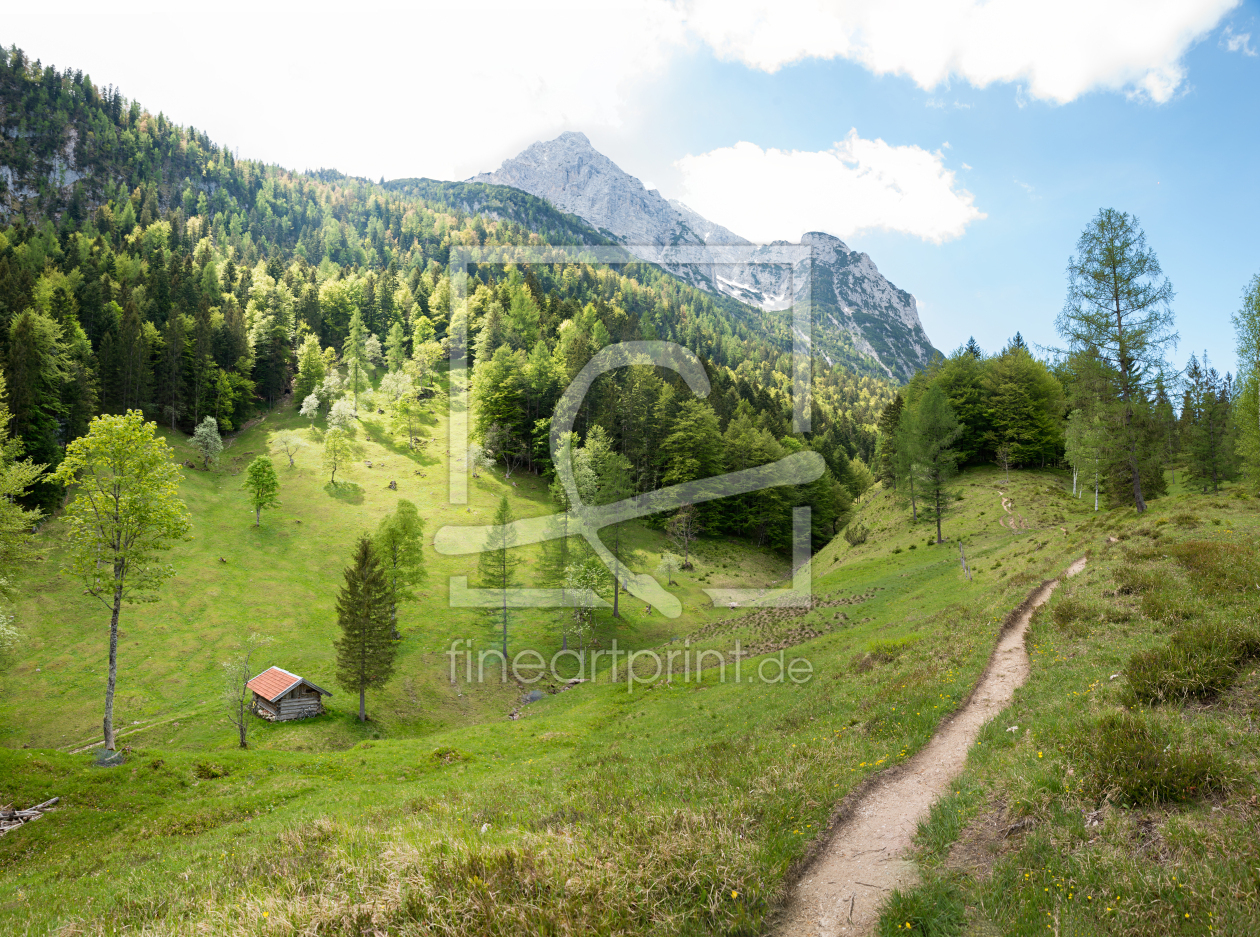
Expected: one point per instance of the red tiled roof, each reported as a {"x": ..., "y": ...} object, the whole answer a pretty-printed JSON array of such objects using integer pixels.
[{"x": 273, "y": 683}]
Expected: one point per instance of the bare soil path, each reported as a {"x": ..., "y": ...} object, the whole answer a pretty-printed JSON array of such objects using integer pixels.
[{"x": 842, "y": 889}]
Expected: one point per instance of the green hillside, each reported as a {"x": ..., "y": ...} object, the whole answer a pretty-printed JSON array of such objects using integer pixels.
[
  {"x": 681, "y": 787},
  {"x": 280, "y": 580},
  {"x": 671, "y": 807}
]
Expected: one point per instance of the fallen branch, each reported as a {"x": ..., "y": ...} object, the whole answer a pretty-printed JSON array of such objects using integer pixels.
[{"x": 11, "y": 819}]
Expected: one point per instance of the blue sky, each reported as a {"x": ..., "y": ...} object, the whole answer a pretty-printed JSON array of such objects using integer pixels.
[
  {"x": 1050, "y": 111},
  {"x": 1186, "y": 168}
]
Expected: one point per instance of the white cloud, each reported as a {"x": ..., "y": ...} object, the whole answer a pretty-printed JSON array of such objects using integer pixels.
[
  {"x": 1058, "y": 50},
  {"x": 443, "y": 90},
  {"x": 1237, "y": 42},
  {"x": 858, "y": 185}
]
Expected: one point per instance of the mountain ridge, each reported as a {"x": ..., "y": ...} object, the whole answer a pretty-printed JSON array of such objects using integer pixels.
[{"x": 857, "y": 311}]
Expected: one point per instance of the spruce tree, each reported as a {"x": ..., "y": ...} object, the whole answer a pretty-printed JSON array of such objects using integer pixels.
[
  {"x": 905, "y": 461},
  {"x": 366, "y": 648},
  {"x": 16, "y": 477},
  {"x": 1210, "y": 432},
  {"x": 172, "y": 371},
  {"x": 396, "y": 347},
  {"x": 889, "y": 420}
]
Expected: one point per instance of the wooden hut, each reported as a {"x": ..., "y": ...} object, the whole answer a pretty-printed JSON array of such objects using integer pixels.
[{"x": 280, "y": 695}]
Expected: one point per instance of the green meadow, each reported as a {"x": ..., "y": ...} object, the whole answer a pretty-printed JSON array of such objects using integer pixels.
[{"x": 675, "y": 806}]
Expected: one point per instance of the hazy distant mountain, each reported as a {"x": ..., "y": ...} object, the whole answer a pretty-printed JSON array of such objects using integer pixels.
[{"x": 857, "y": 312}]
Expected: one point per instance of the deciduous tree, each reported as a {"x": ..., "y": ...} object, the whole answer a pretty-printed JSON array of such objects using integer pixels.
[
  {"x": 399, "y": 545},
  {"x": 683, "y": 528},
  {"x": 668, "y": 567},
  {"x": 311, "y": 371},
  {"x": 126, "y": 511},
  {"x": 207, "y": 442},
  {"x": 310, "y": 407},
  {"x": 342, "y": 416},
  {"x": 337, "y": 451},
  {"x": 263, "y": 486},
  {"x": 237, "y": 697},
  {"x": 289, "y": 442}
]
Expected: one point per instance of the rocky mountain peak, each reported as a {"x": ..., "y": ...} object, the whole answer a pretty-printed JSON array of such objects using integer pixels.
[{"x": 858, "y": 314}]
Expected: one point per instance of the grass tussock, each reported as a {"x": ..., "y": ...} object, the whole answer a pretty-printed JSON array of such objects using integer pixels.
[
  {"x": 1132, "y": 758},
  {"x": 1198, "y": 661},
  {"x": 934, "y": 909},
  {"x": 1222, "y": 568}
]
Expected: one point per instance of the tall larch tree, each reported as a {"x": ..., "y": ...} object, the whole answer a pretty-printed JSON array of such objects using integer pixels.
[{"x": 1119, "y": 306}]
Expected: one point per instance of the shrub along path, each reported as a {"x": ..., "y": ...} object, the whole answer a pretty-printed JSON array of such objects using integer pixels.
[{"x": 842, "y": 889}]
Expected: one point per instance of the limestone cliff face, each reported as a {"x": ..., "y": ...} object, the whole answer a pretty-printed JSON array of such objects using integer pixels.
[{"x": 858, "y": 314}]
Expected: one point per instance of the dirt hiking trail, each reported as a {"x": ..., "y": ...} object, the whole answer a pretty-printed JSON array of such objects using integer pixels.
[{"x": 841, "y": 890}]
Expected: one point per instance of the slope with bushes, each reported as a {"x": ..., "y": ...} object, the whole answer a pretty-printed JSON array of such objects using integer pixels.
[{"x": 1117, "y": 795}]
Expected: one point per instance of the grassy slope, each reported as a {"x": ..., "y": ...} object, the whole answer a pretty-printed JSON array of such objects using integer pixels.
[
  {"x": 675, "y": 809},
  {"x": 280, "y": 580},
  {"x": 1086, "y": 857}
]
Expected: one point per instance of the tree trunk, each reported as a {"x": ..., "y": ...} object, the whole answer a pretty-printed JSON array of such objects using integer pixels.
[
  {"x": 616, "y": 612},
  {"x": 1138, "y": 500},
  {"x": 113, "y": 665},
  {"x": 244, "y": 715},
  {"x": 257, "y": 517},
  {"x": 362, "y": 704},
  {"x": 938, "y": 515}
]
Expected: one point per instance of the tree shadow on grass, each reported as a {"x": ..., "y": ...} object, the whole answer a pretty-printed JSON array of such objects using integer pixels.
[
  {"x": 349, "y": 492},
  {"x": 387, "y": 441}
]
